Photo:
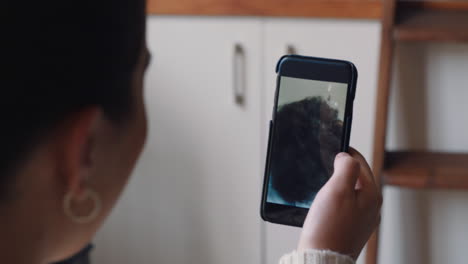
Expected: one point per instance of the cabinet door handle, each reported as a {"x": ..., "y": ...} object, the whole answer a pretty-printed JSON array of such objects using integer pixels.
[
  {"x": 290, "y": 49},
  {"x": 239, "y": 74}
]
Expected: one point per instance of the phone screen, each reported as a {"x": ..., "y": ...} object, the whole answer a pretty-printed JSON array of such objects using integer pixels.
[{"x": 308, "y": 131}]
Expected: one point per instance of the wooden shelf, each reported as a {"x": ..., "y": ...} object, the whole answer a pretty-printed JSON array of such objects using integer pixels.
[
  {"x": 442, "y": 21},
  {"x": 432, "y": 23},
  {"x": 426, "y": 170},
  {"x": 369, "y": 9}
]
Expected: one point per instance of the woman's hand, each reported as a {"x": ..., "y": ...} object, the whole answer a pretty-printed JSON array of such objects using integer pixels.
[{"x": 346, "y": 210}]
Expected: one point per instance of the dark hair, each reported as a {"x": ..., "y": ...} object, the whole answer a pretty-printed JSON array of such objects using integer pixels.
[
  {"x": 62, "y": 56},
  {"x": 307, "y": 138}
]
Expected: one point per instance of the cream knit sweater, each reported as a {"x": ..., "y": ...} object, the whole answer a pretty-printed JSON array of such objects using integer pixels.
[{"x": 313, "y": 256}]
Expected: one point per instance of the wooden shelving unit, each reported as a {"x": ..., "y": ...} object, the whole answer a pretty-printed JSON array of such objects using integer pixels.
[
  {"x": 426, "y": 170},
  {"x": 422, "y": 22}
]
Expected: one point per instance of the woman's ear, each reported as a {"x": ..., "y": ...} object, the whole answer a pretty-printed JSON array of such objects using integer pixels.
[{"x": 76, "y": 146}]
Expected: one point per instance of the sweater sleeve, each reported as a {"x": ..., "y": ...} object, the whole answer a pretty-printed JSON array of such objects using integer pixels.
[{"x": 313, "y": 256}]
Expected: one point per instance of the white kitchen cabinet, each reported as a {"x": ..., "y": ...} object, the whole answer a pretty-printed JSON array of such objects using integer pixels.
[
  {"x": 194, "y": 196},
  {"x": 353, "y": 40}
]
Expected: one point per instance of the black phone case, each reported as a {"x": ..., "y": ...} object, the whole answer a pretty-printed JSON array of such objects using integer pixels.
[{"x": 298, "y": 216}]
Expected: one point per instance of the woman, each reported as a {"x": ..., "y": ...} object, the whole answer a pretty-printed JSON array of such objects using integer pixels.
[{"x": 74, "y": 125}]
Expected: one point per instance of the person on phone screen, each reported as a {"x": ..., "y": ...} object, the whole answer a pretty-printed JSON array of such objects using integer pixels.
[
  {"x": 308, "y": 137},
  {"x": 74, "y": 124}
]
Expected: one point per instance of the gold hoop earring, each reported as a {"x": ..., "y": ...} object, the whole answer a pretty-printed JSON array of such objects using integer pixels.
[{"x": 82, "y": 219}]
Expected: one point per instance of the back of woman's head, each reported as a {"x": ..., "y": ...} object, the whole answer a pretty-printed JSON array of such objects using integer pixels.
[{"x": 58, "y": 57}]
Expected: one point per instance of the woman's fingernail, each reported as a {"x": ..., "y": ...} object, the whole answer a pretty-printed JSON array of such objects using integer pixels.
[{"x": 342, "y": 155}]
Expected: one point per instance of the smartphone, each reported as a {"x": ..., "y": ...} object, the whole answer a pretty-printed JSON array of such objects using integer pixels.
[{"x": 311, "y": 123}]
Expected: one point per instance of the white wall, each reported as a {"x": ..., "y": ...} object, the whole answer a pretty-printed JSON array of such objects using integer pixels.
[{"x": 428, "y": 112}]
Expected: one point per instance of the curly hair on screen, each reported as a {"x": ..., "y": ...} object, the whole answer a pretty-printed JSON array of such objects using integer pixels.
[{"x": 307, "y": 138}]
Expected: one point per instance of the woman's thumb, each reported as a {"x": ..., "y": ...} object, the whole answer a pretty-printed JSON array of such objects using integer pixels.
[{"x": 346, "y": 171}]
